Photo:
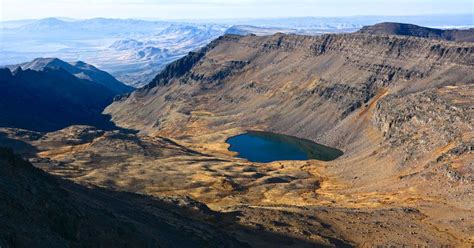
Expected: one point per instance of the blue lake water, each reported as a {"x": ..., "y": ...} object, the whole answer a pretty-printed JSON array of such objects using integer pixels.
[{"x": 264, "y": 147}]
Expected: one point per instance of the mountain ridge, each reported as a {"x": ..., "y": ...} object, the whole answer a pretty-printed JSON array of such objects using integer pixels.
[
  {"x": 392, "y": 28},
  {"x": 79, "y": 69},
  {"x": 51, "y": 99}
]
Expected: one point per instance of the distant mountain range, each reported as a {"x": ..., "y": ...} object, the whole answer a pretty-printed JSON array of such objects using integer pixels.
[
  {"x": 248, "y": 29},
  {"x": 96, "y": 27},
  {"x": 347, "y": 23},
  {"x": 134, "y": 51},
  {"x": 50, "y": 94},
  {"x": 261, "y": 31},
  {"x": 145, "y": 56},
  {"x": 392, "y": 28}
]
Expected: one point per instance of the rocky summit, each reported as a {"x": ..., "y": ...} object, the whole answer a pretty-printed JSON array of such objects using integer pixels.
[
  {"x": 393, "y": 28},
  {"x": 397, "y": 106}
]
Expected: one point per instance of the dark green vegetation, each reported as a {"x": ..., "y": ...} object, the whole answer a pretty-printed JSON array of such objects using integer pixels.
[{"x": 257, "y": 146}]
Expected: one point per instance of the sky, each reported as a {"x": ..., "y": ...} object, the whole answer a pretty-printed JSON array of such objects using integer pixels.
[{"x": 223, "y": 9}]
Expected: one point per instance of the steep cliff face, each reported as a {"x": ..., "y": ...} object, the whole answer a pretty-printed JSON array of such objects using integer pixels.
[{"x": 300, "y": 85}]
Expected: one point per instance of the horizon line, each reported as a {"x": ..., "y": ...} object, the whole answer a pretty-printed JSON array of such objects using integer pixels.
[{"x": 230, "y": 18}]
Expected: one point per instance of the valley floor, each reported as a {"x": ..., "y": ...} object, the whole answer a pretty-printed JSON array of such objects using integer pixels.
[{"x": 305, "y": 202}]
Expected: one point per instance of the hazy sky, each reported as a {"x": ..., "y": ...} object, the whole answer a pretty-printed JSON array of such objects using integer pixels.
[{"x": 199, "y": 9}]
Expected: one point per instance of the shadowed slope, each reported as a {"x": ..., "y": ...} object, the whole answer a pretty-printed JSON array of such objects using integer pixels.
[
  {"x": 51, "y": 99},
  {"x": 79, "y": 69},
  {"x": 39, "y": 210}
]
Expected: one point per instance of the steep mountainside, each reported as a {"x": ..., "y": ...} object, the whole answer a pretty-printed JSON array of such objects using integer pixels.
[
  {"x": 78, "y": 69},
  {"x": 392, "y": 28},
  {"x": 271, "y": 81},
  {"x": 51, "y": 99},
  {"x": 399, "y": 107}
]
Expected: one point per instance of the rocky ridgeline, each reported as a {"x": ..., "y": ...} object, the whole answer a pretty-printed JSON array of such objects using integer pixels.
[
  {"x": 339, "y": 74},
  {"x": 359, "y": 50},
  {"x": 368, "y": 45},
  {"x": 391, "y": 28},
  {"x": 354, "y": 45},
  {"x": 182, "y": 66},
  {"x": 364, "y": 53}
]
